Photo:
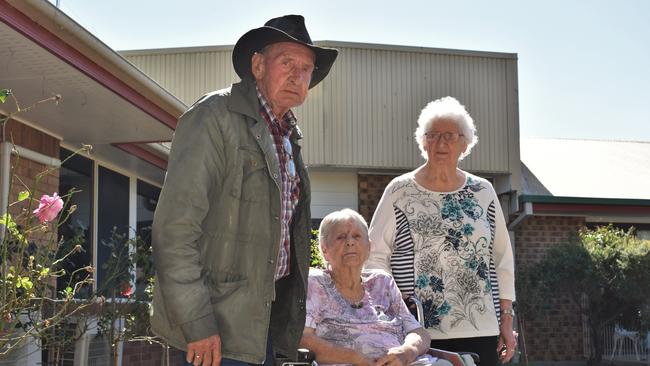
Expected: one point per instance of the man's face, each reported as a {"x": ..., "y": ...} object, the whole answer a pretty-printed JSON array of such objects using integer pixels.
[{"x": 283, "y": 73}]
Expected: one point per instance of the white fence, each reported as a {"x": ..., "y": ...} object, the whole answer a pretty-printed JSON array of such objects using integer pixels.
[{"x": 621, "y": 344}]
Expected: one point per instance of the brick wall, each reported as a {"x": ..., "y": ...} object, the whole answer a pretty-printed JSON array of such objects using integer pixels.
[
  {"x": 371, "y": 187},
  {"x": 554, "y": 335},
  {"x": 145, "y": 354},
  {"x": 23, "y": 177},
  {"x": 31, "y": 138},
  {"x": 24, "y": 171}
]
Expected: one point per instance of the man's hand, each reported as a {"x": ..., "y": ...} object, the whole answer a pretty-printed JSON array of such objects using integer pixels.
[{"x": 205, "y": 352}]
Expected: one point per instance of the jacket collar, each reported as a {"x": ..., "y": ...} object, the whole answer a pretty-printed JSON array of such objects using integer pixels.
[{"x": 243, "y": 99}]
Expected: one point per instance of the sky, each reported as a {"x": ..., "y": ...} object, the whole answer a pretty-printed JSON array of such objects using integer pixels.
[{"x": 584, "y": 65}]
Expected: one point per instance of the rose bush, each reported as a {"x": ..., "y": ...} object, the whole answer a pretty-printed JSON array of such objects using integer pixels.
[{"x": 35, "y": 255}]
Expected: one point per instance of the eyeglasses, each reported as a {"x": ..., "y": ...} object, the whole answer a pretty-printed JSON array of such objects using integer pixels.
[
  {"x": 288, "y": 150},
  {"x": 446, "y": 136}
]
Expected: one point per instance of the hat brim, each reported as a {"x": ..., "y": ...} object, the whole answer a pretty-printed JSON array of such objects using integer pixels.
[{"x": 256, "y": 39}]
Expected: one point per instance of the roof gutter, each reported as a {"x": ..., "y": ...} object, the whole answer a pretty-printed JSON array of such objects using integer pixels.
[
  {"x": 584, "y": 200},
  {"x": 527, "y": 211},
  {"x": 621, "y": 209}
]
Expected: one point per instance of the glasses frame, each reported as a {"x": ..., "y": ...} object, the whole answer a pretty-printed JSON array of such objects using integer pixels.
[{"x": 450, "y": 137}]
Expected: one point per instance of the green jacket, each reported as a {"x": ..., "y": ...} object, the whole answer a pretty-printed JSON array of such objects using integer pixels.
[{"x": 216, "y": 233}]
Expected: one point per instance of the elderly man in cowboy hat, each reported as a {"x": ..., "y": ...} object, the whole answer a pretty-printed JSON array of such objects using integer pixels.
[{"x": 231, "y": 232}]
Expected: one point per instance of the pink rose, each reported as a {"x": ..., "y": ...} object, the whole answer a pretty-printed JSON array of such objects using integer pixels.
[
  {"x": 127, "y": 291},
  {"x": 49, "y": 207}
]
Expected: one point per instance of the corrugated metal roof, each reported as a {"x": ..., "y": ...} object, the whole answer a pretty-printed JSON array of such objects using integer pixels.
[{"x": 586, "y": 168}]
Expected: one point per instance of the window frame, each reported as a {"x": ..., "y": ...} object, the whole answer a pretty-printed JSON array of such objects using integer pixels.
[{"x": 132, "y": 209}]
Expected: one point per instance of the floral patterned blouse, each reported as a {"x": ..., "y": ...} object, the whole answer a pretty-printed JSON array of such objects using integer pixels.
[
  {"x": 449, "y": 249},
  {"x": 380, "y": 323}
]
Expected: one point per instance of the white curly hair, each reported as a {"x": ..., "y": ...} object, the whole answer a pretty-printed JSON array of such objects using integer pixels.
[
  {"x": 446, "y": 108},
  {"x": 332, "y": 220}
]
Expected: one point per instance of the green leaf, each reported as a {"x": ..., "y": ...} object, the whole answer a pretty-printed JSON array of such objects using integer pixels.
[
  {"x": 23, "y": 196},
  {"x": 4, "y": 93},
  {"x": 6, "y": 220},
  {"x": 26, "y": 283}
]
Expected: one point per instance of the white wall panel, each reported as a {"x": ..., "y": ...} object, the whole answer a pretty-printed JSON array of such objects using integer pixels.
[{"x": 332, "y": 191}]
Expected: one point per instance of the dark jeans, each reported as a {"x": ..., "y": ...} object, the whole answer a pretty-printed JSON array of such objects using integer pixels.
[
  {"x": 230, "y": 362},
  {"x": 485, "y": 347}
]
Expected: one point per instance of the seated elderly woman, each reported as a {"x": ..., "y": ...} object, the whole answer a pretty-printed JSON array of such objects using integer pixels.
[{"x": 353, "y": 316}]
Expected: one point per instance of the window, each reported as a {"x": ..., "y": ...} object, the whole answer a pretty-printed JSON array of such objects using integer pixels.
[
  {"x": 112, "y": 229},
  {"x": 643, "y": 234},
  {"x": 113, "y": 201},
  {"x": 76, "y": 173},
  {"x": 147, "y": 197}
]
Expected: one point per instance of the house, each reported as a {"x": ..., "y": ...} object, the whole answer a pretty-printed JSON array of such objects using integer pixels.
[
  {"x": 358, "y": 126},
  {"x": 105, "y": 102},
  {"x": 568, "y": 184}
]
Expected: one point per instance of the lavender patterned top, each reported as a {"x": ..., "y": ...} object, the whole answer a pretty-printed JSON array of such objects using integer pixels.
[{"x": 381, "y": 323}]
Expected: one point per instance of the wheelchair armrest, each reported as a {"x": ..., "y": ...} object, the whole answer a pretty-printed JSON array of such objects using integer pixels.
[
  {"x": 419, "y": 310},
  {"x": 455, "y": 358},
  {"x": 304, "y": 357},
  {"x": 475, "y": 357}
]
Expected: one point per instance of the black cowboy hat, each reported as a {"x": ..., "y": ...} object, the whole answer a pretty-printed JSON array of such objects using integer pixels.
[{"x": 288, "y": 28}]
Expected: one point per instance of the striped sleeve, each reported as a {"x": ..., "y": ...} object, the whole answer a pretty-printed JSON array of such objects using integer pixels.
[
  {"x": 502, "y": 254},
  {"x": 403, "y": 254}
]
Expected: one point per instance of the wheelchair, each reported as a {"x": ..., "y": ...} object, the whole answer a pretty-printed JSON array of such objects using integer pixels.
[
  {"x": 304, "y": 357},
  {"x": 456, "y": 358}
]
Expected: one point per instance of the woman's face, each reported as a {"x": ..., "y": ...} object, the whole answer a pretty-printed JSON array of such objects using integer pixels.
[
  {"x": 444, "y": 143},
  {"x": 347, "y": 245}
]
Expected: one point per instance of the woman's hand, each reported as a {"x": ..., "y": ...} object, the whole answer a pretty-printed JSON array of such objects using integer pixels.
[
  {"x": 361, "y": 360},
  {"x": 507, "y": 338},
  {"x": 327, "y": 352},
  {"x": 397, "y": 356},
  {"x": 507, "y": 342},
  {"x": 416, "y": 343}
]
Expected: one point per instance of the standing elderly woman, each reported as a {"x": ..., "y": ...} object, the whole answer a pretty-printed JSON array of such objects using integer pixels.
[
  {"x": 353, "y": 316},
  {"x": 441, "y": 233}
]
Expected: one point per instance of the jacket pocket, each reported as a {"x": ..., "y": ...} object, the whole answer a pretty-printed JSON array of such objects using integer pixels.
[
  {"x": 254, "y": 181},
  {"x": 223, "y": 284}
]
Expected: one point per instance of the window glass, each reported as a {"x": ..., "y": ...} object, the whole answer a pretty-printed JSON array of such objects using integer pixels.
[
  {"x": 76, "y": 173},
  {"x": 643, "y": 234},
  {"x": 147, "y": 201},
  {"x": 112, "y": 232}
]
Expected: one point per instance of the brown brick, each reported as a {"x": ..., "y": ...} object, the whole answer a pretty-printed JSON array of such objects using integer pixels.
[
  {"x": 371, "y": 187},
  {"x": 556, "y": 335}
]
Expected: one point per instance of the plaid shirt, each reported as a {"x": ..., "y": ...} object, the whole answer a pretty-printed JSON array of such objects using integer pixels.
[{"x": 281, "y": 131}]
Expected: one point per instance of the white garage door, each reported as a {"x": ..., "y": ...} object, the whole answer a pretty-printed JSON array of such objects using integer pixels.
[{"x": 331, "y": 191}]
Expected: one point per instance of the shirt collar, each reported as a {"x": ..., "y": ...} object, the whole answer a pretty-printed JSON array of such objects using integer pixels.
[{"x": 288, "y": 122}]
